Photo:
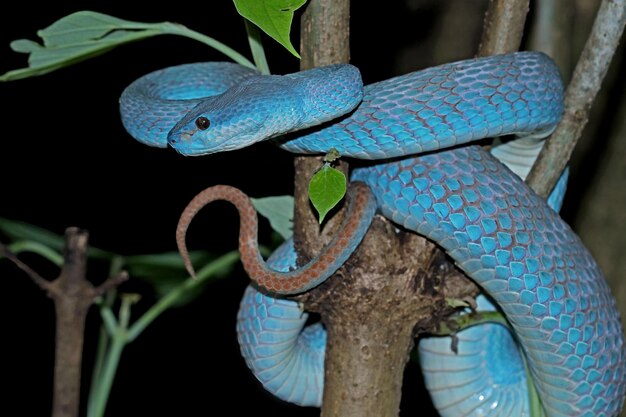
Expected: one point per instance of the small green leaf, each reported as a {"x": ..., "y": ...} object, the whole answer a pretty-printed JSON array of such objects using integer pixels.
[
  {"x": 326, "y": 189},
  {"x": 332, "y": 155},
  {"x": 86, "y": 34},
  {"x": 457, "y": 302},
  {"x": 273, "y": 17},
  {"x": 279, "y": 211}
]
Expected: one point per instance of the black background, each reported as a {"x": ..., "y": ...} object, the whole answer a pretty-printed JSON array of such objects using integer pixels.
[{"x": 66, "y": 161}]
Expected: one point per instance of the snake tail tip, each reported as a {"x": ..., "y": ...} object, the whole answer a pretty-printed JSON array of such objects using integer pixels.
[{"x": 192, "y": 272}]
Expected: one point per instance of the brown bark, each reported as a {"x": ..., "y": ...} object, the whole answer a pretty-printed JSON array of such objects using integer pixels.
[{"x": 503, "y": 27}]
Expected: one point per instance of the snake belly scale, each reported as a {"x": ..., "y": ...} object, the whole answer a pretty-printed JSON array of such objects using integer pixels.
[{"x": 521, "y": 253}]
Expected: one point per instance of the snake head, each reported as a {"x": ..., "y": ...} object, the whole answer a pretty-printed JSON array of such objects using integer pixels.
[
  {"x": 263, "y": 107},
  {"x": 257, "y": 109}
]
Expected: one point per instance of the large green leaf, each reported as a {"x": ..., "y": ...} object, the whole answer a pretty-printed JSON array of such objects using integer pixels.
[
  {"x": 86, "y": 34},
  {"x": 273, "y": 17}
]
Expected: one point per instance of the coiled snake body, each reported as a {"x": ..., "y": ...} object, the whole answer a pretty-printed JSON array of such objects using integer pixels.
[{"x": 494, "y": 227}]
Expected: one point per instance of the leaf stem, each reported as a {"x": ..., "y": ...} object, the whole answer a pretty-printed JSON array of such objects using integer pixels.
[
  {"x": 176, "y": 29},
  {"x": 111, "y": 361},
  {"x": 256, "y": 47}
]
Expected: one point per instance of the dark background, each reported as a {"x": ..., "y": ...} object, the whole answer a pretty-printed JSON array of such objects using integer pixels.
[{"x": 66, "y": 161}]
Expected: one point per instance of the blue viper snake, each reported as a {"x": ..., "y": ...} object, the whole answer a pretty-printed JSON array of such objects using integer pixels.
[{"x": 429, "y": 180}]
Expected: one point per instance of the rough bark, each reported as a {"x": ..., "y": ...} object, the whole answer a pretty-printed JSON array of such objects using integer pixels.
[{"x": 503, "y": 27}]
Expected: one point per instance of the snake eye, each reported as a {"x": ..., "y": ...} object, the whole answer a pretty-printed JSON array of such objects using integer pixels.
[{"x": 203, "y": 123}]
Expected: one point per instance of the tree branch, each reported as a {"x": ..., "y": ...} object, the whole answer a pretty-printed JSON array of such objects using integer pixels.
[
  {"x": 582, "y": 90},
  {"x": 324, "y": 31},
  {"x": 371, "y": 306},
  {"x": 551, "y": 32},
  {"x": 503, "y": 27},
  {"x": 41, "y": 282},
  {"x": 110, "y": 283}
]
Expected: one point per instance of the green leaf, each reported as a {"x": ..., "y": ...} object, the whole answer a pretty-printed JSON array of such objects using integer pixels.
[
  {"x": 273, "y": 17},
  {"x": 86, "y": 34},
  {"x": 326, "y": 189},
  {"x": 35, "y": 247},
  {"x": 279, "y": 211},
  {"x": 15, "y": 230}
]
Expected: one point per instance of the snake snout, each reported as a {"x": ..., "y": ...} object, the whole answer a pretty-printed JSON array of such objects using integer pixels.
[{"x": 176, "y": 137}]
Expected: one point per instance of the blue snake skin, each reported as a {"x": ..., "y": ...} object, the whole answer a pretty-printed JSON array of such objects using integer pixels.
[{"x": 492, "y": 225}]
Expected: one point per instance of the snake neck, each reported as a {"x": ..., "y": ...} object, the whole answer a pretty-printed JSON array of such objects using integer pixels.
[{"x": 326, "y": 93}]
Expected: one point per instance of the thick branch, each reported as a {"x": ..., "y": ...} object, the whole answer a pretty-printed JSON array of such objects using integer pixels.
[
  {"x": 582, "y": 90},
  {"x": 503, "y": 27},
  {"x": 394, "y": 282},
  {"x": 325, "y": 33}
]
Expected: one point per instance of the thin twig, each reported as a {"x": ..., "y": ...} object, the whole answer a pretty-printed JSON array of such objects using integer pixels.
[
  {"x": 110, "y": 283},
  {"x": 43, "y": 283},
  {"x": 582, "y": 90}
]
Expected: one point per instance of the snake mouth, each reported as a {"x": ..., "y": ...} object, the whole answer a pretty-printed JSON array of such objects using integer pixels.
[
  {"x": 195, "y": 142},
  {"x": 184, "y": 136},
  {"x": 187, "y": 147}
]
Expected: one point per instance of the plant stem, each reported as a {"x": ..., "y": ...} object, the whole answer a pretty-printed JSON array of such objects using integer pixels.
[
  {"x": 256, "y": 47},
  {"x": 172, "y": 297},
  {"x": 109, "y": 368},
  {"x": 116, "y": 333},
  {"x": 176, "y": 29},
  {"x": 106, "y": 329},
  {"x": 96, "y": 376},
  {"x": 534, "y": 402}
]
